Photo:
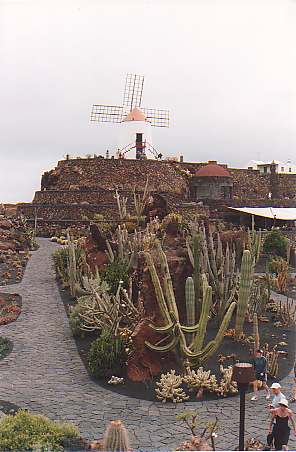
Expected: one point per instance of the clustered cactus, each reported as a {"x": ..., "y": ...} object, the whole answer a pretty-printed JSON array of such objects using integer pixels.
[
  {"x": 169, "y": 387},
  {"x": 200, "y": 379},
  {"x": 100, "y": 309},
  {"x": 227, "y": 385}
]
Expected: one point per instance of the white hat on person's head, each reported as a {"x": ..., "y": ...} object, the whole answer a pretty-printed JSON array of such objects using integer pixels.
[
  {"x": 284, "y": 402},
  {"x": 275, "y": 386}
]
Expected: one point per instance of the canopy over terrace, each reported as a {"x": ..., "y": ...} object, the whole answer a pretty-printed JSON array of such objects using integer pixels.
[{"x": 274, "y": 213}]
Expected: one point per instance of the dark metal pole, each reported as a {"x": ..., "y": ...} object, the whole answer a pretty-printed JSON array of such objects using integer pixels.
[{"x": 242, "y": 392}]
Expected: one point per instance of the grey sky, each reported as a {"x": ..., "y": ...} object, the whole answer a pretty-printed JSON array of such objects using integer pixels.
[{"x": 226, "y": 70}]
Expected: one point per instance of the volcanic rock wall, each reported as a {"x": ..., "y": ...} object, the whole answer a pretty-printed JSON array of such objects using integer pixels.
[
  {"x": 77, "y": 189},
  {"x": 98, "y": 173}
]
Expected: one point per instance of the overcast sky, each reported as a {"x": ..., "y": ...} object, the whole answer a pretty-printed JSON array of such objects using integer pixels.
[{"x": 226, "y": 70}]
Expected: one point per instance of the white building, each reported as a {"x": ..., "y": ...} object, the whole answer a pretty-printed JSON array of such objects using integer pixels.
[
  {"x": 280, "y": 167},
  {"x": 135, "y": 134}
]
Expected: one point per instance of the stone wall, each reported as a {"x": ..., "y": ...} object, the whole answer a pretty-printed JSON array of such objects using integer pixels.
[
  {"x": 79, "y": 188},
  {"x": 287, "y": 185},
  {"x": 67, "y": 212},
  {"x": 108, "y": 174}
]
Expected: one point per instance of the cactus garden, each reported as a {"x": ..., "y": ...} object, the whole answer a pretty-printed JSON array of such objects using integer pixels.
[{"x": 161, "y": 309}]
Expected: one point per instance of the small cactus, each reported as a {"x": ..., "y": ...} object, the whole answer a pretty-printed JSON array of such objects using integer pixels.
[{"x": 116, "y": 438}]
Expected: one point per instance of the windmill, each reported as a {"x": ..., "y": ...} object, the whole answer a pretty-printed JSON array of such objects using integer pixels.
[{"x": 136, "y": 122}]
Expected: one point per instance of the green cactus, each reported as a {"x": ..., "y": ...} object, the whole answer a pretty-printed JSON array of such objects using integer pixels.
[
  {"x": 256, "y": 333},
  {"x": 254, "y": 241},
  {"x": 116, "y": 438},
  {"x": 220, "y": 266},
  {"x": 246, "y": 275},
  {"x": 190, "y": 303},
  {"x": 76, "y": 266},
  {"x": 175, "y": 338},
  {"x": 204, "y": 318}
]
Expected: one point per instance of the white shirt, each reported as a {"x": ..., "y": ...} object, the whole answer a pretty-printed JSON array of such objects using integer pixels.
[{"x": 276, "y": 400}]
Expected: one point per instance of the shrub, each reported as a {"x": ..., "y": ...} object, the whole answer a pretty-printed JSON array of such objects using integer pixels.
[
  {"x": 103, "y": 224},
  {"x": 107, "y": 355},
  {"x": 75, "y": 320},
  {"x": 114, "y": 272},
  {"x": 27, "y": 431},
  {"x": 276, "y": 243},
  {"x": 5, "y": 347}
]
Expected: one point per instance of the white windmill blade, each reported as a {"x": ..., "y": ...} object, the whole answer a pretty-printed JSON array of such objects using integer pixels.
[
  {"x": 106, "y": 113},
  {"x": 157, "y": 117},
  {"x": 133, "y": 90}
]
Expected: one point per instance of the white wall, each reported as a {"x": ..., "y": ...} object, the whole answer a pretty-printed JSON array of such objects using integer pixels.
[{"x": 127, "y": 135}]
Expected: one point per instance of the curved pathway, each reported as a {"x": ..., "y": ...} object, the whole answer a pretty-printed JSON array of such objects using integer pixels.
[{"x": 44, "y": 373}]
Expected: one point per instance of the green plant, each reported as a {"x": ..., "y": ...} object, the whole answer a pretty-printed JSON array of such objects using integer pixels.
[
  {"x": 107, "y": 355},
  {"x": 140, "y": 201},
  {"x": 29, "y": 233},
  {"x": 276, "y": 244},
  {"x": 5, "y": 346},
  {"x": 246, "y": 275},
  {"x": 27, "y": 431},
  {"x": 207, "y": 254},
  {"x": 121, "y": 205},
  {"x": 254, "y": 241},
  {"x": 169, "y": 388},
  {"x": 116, "y": 438},
  {"x": 116, "y": 273},
  {"x": 256, "y": 333},
  {"x": 272, "y": 357},
  {"x": 75, "y": 319},
  {"x": 200, "y": 380},
  {"x": 198, "y": 442},
  {"x": 172, "y": 223},
  {"x": 174, "y": 331},
  {"x": 71, "y": 265},
  {"x": 280, "y": 267},
  {"x": 103, "y": 224}
]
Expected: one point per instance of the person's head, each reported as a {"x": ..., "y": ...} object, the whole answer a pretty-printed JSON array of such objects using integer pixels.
[
  {"x": 259, "y": 353},
  {"x": 283, "y": 404},
  {"x": 276, "y": 388}
]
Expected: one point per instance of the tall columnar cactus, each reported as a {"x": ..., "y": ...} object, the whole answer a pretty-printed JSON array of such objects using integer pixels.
[
  {"x": 140, "y": 200},
  {"x": 190, "y": 303},
  {"x": 75, "y": 256},
  {"x": 220, "y": 265},
  {"x": 116, "y": 438},
  {"x": 246, "y": 275},
  {"x": 196, "y": 249},
  {"x": 256, "y": 333},
  {"x": 254, "y": 241},
  {"x": 121, "y": 205},
  {"x": 204, "y": 318},
  {"x": 175, "y": 339}
]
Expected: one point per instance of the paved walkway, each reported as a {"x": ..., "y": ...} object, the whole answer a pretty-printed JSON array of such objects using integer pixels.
[{"x": 44, "y": 373}]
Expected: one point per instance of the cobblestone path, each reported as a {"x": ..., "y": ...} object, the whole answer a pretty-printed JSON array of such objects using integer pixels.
[{"x": 44, "y": 373}]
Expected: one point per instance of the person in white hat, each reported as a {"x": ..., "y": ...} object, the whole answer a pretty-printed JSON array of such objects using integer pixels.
[
  {"x": 279, "y": 425},
  {"x": 277, "y": 395}
]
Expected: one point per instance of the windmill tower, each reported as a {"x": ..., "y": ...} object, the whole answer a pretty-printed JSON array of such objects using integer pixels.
[{"x": 135, "y": 121}]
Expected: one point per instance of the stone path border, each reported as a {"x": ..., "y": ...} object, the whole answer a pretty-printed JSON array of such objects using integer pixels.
[{"x": 45, "y": 374}]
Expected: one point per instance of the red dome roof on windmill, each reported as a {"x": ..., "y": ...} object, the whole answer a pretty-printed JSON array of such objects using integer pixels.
[
  {"x": 212, "y": 169},
  {"x": 135, "y": 115}
]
